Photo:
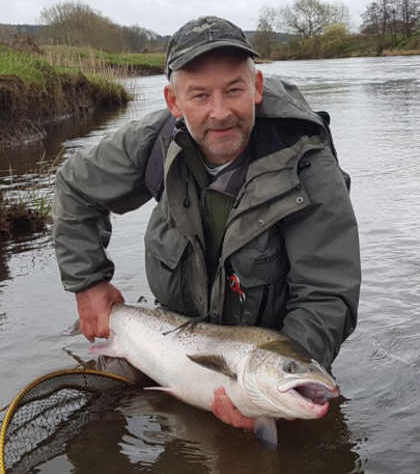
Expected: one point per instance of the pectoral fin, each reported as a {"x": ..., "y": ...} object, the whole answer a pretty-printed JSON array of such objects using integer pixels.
[
  {"x": 107, "y": 348},
  {"x": 213, "y": 362},
  {"x": 265, "y": 430}
]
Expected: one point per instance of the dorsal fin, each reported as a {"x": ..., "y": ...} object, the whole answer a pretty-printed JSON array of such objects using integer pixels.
[{"x": 213, "y": 362}]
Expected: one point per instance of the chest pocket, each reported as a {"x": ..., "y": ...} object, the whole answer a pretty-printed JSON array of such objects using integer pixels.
[{"x": 256, "y": 282}]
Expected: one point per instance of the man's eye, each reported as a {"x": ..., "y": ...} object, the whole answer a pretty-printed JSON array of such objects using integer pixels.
[
  {"x": 235, "y": 91},
  {"x": 201, "y": 96}
]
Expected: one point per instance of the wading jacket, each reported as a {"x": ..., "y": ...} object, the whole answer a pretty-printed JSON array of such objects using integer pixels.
[{"x": 289, "y": 257}]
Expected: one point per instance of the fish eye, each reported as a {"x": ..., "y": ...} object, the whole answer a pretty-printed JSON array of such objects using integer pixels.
[{"x": 290, "y": 367}]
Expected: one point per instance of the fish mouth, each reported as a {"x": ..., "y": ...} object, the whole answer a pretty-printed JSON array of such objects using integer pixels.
[{"x": 315, "y": 393}]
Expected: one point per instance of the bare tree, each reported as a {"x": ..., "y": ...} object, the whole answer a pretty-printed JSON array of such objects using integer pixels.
[
  {"x": 391, "y": 19},
  {"x": 265, "y": 31},
  {"x": 134, "y": 38},
  {"x": 409, "y": 12},
  {"x": 339, "y": 14},
  {"x": 309, "y": 18},
  {"x": 371, "y": 18},
  {"x": 78, "y": 24},
  {"x": 68, "y": 22}
]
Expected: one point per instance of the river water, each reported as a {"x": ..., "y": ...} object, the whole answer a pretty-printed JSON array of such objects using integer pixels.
[{"x": 374, "y": 427}]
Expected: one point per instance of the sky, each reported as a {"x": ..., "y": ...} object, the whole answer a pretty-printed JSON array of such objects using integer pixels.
[{"x": 162, "y": 16}]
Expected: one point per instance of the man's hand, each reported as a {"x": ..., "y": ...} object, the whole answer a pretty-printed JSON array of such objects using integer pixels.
[
  {"x": 224, "y": 409},
  {"x": 94, "y": 306}
]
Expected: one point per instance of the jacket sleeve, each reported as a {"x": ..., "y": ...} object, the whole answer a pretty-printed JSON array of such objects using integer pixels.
[
  {"x": 110, "y": 177},
  {"x": 323, "y": 250}
]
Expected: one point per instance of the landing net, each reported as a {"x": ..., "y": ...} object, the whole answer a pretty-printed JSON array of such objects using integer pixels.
[{"x": 50, "y": 411}]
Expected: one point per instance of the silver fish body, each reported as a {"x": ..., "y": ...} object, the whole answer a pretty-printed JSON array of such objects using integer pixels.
[{"x": 265, "y": 374}]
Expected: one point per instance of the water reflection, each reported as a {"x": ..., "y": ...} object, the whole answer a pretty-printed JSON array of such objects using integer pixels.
[
  {"x": 4, "y": 269},
  {"x": 26, "y": 159},
  {"x": 4, "y": 275},
  {"x": 153, "y": 432}
]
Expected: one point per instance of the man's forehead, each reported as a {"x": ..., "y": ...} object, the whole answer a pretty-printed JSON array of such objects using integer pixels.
[
  {"x": 214, "y": 73},
  {"x": 223, "y": 59},
  {"x": 193, "y": 85}
]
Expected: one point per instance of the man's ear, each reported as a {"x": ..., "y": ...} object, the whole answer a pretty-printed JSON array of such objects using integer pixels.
[
  {"x": 259, "y": 87},
  {"x": 171, "y": 102}
]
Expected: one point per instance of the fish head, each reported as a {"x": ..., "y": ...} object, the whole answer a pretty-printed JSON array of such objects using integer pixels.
[{"x": 285, "y": 382}]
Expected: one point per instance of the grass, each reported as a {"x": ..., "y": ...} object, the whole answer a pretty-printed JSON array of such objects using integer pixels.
[
  {"x": 147, "y": 60},
  {"x": 36, "y": 69},
  {"x": 17, "y": 218},
  {"x": 108, "y": 87},
  {"x": 89, "y": 60},
  {"x": 30, "y": 69},
  {"x": 26, "y": 208}
]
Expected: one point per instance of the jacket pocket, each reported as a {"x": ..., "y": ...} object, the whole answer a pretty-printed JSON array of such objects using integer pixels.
[
  {"x": 167, "y": 261},
  {"x": 256, "y": 282}
]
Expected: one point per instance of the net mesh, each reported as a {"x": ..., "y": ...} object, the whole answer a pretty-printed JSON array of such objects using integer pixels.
[{"x": 52, "y": 410}]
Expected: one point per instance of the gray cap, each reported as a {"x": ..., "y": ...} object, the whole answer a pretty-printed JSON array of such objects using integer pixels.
[{"x": 200, "y": 36}]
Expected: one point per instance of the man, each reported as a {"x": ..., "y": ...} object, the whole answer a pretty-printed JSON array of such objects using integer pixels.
[{"x": 253, "y": 224}]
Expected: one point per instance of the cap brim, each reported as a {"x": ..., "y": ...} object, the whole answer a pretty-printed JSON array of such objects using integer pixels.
[{"x": 187, "y": 57}]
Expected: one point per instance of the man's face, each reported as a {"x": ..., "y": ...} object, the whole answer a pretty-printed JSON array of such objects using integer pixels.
[{"x": 217, "y": 98}]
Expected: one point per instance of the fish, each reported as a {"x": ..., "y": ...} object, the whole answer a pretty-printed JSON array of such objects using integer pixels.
[{"x": 266, "y": 374}]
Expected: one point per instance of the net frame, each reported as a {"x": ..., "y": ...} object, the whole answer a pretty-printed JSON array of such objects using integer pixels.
[{"x": 16, "y": 402}]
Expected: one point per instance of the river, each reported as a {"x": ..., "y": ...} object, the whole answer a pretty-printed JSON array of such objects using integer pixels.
[{"x": 374, "y": 104}]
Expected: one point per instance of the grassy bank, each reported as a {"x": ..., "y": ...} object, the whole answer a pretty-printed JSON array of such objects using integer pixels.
[
  {"x": 44, "y": 86},
  {"x": 33, "y": 93},
  {"x": 25, "y": 216},
  {"x": 111, "y": 64},
  {"x": 26, "y": 206}
]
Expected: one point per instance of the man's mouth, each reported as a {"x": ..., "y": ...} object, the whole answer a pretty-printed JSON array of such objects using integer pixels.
[{"x": 221, "y": 131}]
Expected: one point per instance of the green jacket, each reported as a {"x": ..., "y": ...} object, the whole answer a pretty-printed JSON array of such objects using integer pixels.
[{"x": 290, "y": 242}]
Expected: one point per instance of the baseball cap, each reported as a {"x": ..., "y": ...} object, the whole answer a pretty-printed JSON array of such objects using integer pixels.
[{"x": 200, "y": 36}]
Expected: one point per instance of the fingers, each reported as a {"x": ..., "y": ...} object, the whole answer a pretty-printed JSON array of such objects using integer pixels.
[
  {"x": 87, "y": 329},
  {"x": 223, "y": 408},
  {"x": 93, "y": 325},
  {"x": 102, "y": 324},
  {"x": 94, "y": 306},
  {"x": 111, "y": 294}
]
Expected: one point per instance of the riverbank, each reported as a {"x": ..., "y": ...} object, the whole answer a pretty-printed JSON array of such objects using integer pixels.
[
  {"x": 296, "y": 56},
  {"x": 18, "y": 218},
  {"x": 337, "y": 43},
  {"x": 43, "y": 86},
  {"x": 26, "y": 205},
  {"x": 34, "y": 93}
]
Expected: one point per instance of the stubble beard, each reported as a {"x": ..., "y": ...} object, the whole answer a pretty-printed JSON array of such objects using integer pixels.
[{"x": 220, "y": 150}]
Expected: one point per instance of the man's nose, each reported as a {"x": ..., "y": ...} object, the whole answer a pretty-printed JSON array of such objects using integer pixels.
[{"x": 219, "y": 108}]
